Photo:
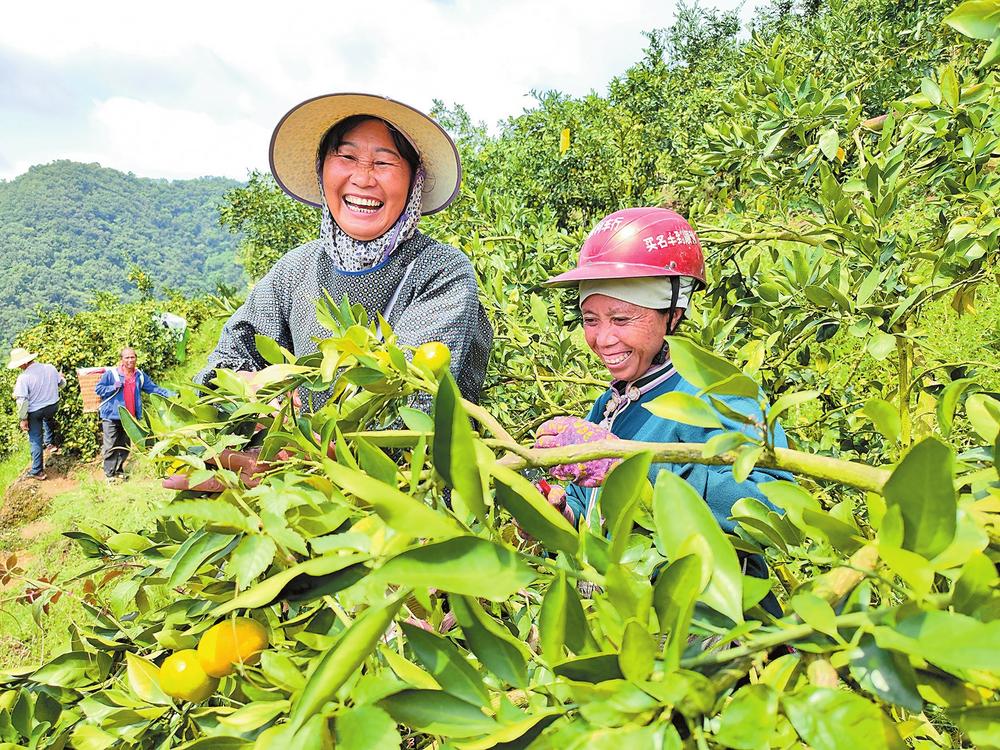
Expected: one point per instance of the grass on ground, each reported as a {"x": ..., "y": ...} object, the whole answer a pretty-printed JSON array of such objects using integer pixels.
[{"x": 76, "y": 498}]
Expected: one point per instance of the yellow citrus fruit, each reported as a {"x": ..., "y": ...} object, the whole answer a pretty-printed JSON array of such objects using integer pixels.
[
  {"x": 236, "y": 641},
  {"x": 182, "y": 677},
  {"x": 433, "y": 356}
]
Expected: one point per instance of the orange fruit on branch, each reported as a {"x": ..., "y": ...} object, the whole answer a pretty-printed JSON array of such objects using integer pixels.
[
  {"x": 433, "y": 356},
  {"x": 182, "y": 677},
  {"x": 236, "y": 641}
]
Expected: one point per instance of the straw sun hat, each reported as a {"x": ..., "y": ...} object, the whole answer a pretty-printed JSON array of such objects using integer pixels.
[
  {"x": 19, "y": 357},
  {"x": 297, "y": 137}
]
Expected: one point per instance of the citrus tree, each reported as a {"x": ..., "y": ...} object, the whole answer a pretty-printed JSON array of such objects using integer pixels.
[
  {"x": 333, "y": 581},
  {"x": 383, "y": 592}
]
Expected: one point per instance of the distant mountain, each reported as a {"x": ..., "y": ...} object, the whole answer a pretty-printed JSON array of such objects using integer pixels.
[{"x": 68, "y": 230}]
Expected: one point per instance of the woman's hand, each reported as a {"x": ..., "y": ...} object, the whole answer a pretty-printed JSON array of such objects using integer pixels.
[
  {"x": 563, "y": 431},
  {"x": 556, "y": 497}
]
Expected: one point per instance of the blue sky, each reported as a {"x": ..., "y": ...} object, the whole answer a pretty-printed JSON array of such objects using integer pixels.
[{"x": 185, "y": 89}]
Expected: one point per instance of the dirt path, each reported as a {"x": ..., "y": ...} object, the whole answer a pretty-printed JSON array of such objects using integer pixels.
[{"x": 27, "y": 500}]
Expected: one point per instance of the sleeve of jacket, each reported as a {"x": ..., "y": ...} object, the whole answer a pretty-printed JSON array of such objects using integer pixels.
[
  {"x": 265, "y": 311},
  {"x": 446, "y": 309},
  {"x": 106, "y": 385}
]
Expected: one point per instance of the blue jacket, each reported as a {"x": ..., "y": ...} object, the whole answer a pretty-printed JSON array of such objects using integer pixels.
[
  {"x": 112, "y": 392},
  {"x": 714, "y": 483}
]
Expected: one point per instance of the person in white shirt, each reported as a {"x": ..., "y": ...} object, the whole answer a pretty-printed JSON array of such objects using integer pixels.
[{"x": 37, "y": 395}]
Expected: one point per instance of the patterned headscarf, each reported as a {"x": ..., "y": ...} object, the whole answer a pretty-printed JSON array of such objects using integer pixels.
[{"x": 350, "y": 254}]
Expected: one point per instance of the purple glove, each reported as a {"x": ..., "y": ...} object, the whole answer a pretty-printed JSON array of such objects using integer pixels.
[{"x": 562, "y": 431}]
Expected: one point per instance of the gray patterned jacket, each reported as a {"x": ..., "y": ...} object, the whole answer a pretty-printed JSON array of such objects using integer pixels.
[{"x": 429, "y": 288}]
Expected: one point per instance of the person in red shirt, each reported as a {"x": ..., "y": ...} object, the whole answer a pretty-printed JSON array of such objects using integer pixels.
[{"x": 121, "y": 387}]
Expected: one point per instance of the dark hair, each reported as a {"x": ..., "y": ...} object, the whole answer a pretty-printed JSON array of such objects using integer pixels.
[{"x": 335, "y": 136}]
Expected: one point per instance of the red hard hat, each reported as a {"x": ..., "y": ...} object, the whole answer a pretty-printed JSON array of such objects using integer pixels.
[{"x": 636, "y": 243}]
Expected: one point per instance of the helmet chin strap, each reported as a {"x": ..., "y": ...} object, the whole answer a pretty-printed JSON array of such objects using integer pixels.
[{"x": 674, "y": 320}]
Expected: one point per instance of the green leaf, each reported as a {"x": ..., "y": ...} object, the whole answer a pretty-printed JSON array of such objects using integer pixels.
[
  {"x": 533, "y": 512},
  {"x": 828, "y": 719},
  {"x": 73, "y": 669},
  {"x": 949, "y": 86},
  {"x": 195, "y": 552},
  {"x": 684, "y": 408},
  {"x": 217, "y": 512},
  {"x": 339, "y": 663},
  {"x": 254, "y": 715},
  {"x": 885, "y": 417},
  {"x": 746, "y": 460},
  {"x": 144, "y": 679},
  {"x": 922, "y": 487},
  {"x": 268, "y": 348},
  {"x": 561, "y": 620},
  {"x": 773, "y": 141},
  {"x": 948, "y": 401},
  {"x": 980, "y": 723},
  {"x": 679, "y": 512},
  {"x": 698, "y": 366},
  {"x": 437, "y": 712},
  {"x": 979, "y": 19},
  {"x": 492, "y": 643},
  {"x": 267, "y": 591},
  {"x": 885, "y": 674},
  {"x": 674, "y": 595},
  {"x": 282, "y": 671},
  {"x": 788, "y": 401},
  {"x": 930, "y": 89},
  {"x": 637, "y": 653},
  {"x": 881, "y": 345},
  {"x": 454, "y": 450},
  {"x": 749, "y": 719},
  {"x": 416, "y": 420},
  {"x": 366, "y": 728},
  {"x": 619, "y": 499},
  {"x": 445, "y": 662},
  {"x": 592, "y": 668},
  {"x": 984, "y": 414},
  {"x": 816, "y": 613},
  {"x": 374, "y": 462},
  {"x": 947, "y": 639},
  {"x": 975, "y": 584},
  {"x": 991, "y": 56},
  {"x": 829, "y": 142},
  {"x": 252, "y": 556},
  {"x": 462, "y": 565},
  {"x": 400, "y": 512}
]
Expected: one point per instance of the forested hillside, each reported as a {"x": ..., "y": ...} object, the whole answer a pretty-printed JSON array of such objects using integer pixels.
[{"x": 68, "y": 230}]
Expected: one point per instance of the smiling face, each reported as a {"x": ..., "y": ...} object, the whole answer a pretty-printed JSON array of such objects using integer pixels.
[
  {"x": 366, "y": 181},
  {"x": 625, "y": 336},
  {"x": 128, "y": 360}
]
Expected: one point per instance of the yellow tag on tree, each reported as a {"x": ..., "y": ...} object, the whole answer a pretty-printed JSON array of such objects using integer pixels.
[{"x": 564, "y": 141}]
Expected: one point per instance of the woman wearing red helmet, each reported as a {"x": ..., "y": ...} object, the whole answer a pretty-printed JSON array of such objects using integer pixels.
[{"x": 636, "y": 273}]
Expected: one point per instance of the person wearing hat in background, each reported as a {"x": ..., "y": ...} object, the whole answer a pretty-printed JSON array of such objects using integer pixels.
[
  {"x": 36, "y": 392},
  {"x": 636, "y": 273},
  {"x": 121, "y": 387},
  {"x": 374, "y": 166}
]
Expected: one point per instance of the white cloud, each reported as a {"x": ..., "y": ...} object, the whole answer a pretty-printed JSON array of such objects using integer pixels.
[{"x": 194, "y": 88}]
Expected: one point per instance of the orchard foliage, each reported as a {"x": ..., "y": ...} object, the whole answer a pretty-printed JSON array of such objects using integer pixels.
[
  {"x": 94, "y": 338},
  {"x": 840, "y": 166},
  {"x": 404, "y": 606}
]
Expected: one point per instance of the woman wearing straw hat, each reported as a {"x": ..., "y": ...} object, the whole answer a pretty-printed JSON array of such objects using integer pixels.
[
  {"x": 36, "y": 392},
  {"x": 374, "y": 166}
]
